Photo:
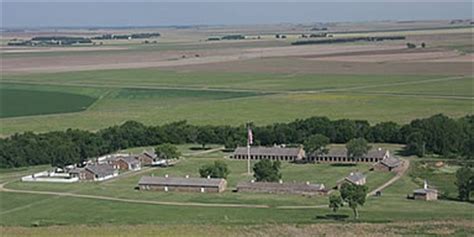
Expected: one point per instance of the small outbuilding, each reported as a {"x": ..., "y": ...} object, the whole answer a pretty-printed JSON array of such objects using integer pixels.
[
  {"x": 169, "y": 184},
  {"x": 388, "y": 164},
  {"x": 426, "y": 193},
  {"x": 357, "y": 178},
  {"x": 94, "y": 172},
  {"x": 148, "y": 157},
  {"x": 127, "y": 163}
]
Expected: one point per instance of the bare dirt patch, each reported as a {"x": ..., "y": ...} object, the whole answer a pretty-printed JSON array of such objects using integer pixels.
[{"x": 144, "y": 59}]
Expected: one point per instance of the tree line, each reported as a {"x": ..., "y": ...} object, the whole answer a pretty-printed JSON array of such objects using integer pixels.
[{"x": 438, "y": 134}]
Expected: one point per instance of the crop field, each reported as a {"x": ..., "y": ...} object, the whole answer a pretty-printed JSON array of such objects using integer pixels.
[
  {"x": 156, "y": 96},
  {"x": 17, "y": 102}
]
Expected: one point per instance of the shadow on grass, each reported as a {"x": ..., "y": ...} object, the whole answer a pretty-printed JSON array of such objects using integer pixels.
[
  {"x": 334, "y": 217},
  {"x": 343, "y": 165},
  {"x": 199, "y": 148}
]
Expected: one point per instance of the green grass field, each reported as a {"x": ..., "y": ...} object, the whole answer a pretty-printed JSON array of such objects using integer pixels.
[
  {"x": 155, "y": 96},
  {"x": 17, "y": 102},
  {"x": 45, "y": 210}
]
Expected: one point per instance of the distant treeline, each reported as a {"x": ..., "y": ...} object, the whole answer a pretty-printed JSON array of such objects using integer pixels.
[
  {"x": 227, "y": 37},
  {"x": 130, "y": 36},
  {"x": 348, "y": 40},
  {"x": 438, "y": 134},
  {"x": 50, "y": 40},
  {"x": 68, "y": 40}
]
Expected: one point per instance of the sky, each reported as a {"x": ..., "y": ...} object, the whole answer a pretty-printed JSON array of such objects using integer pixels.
[{"x": 119, "y": 13}]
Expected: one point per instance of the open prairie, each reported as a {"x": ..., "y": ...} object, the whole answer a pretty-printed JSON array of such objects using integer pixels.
[
  {"x": 185, "y": 74},
  {"x": 230, "y": 82}
]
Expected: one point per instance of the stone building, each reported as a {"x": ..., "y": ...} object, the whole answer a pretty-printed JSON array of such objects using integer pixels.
[
  {"x": 339, "y": 155},
  {"x": 270, "y": 153},
  {"x": 426, "y": 193},
  {"x": 178, "y": 184}
]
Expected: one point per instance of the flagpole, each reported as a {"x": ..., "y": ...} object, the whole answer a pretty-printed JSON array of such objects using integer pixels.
[
  {"x": 249, "y": 138},
  {"x": 248, "y": 158}
]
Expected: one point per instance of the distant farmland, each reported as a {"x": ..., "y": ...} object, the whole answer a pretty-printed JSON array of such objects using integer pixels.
[{"x": 18, "y": 102}]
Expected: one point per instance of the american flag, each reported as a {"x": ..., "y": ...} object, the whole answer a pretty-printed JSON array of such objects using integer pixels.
[{"x": 250, "y": 137}]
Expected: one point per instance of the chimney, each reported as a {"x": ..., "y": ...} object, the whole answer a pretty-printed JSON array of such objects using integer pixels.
[
  {"x": 252, "y": 181},
  {"x": 352, "y": 173},
  {"x": 187, "y": 176},
  {"x": 280, "y": 181},
  {"x": 380, "y": 148},
  {"x": 208, "y": 177},
  {"x": 425, "y": 185},
  {"x": 307, "y": 182},
  {"x": 166, "y": 175}
]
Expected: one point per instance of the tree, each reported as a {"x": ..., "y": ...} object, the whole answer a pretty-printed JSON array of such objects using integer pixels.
[
  {"x": 267, "y": 171},
  {"x": 415, "y": 144},
  {"x": 354, "y": 195},
  {"x": 423, "y": 45},
  {"x": 205, "y": 136},
  {"x": 217, "y": 170},
  {"x": 316, "y": 144},
  {"x": 167, "y": 151},
  {"x": 335, "y": 202},
  {"x": 411, "y": 45},
  {"x": 357, "y": 148},
  {"x": 465, "y": 182}
]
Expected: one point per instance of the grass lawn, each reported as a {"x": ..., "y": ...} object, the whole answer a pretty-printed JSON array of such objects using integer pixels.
[{"x": 46, "y": 210}]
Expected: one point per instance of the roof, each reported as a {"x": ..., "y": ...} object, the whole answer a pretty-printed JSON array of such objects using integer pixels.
[
  {"x": 178, "y": 181},
  {"x": 269, "y": 151},
  {"x": 76, "y": 170},
  {"x": 425, "y": 191},
  {"x": 101, "y": 170},
  {"x": 280, "y": 186},
  {"x": 342, "y": 152},
  {"x": 355, "y": 177},
  {"x": 391, "y": 161},
  {"x": 129, "y": 160},
  {"x": 150, "y": 154}
]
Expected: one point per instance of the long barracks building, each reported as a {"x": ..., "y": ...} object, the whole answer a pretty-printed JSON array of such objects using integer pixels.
[{"x": 335, "y": 155}]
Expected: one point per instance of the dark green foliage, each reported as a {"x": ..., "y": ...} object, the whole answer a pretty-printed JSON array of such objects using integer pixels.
[
  {"x": 233, "y": 37},
  {"x": 167, "y": 151},
  {"x": 267, "y": 171},
  {"x": 217, "y": 170},
  {"x": 316, "y": 144},
  {"x": 357, "y": 148},
  {"x": 415, "y": 144},
  {"x": 411, "y": 45},
  {"x": 205, "y": 135},
  {"x": 437, "y": 134},
  {"x": 335, "y": 202},
  {"x": 354, "y": 195},
  {"x": 465, "y": 182},
  {"x": 348, "y": 40}
]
